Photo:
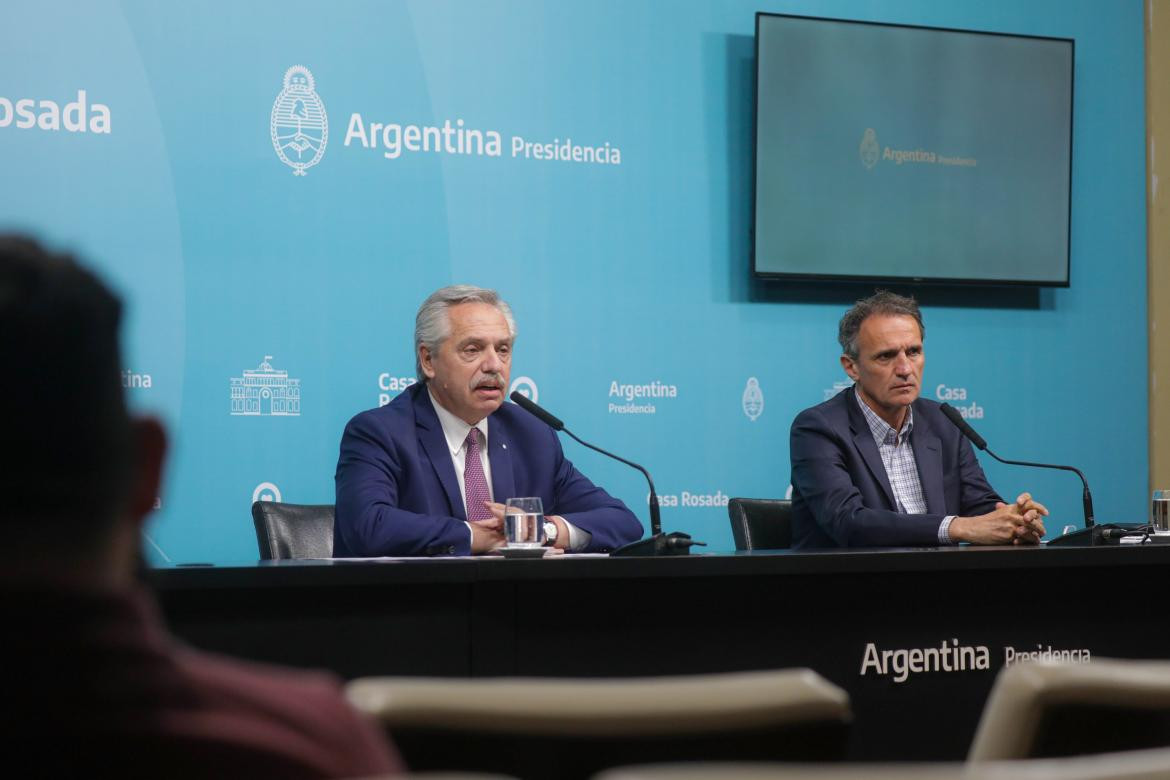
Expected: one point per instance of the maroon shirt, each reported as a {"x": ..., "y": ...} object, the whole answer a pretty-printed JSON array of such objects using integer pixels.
[{"x": 93, "y": 683}]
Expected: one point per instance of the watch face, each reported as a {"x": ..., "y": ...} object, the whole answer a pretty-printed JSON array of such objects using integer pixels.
[{"x": 550, "y": 532}]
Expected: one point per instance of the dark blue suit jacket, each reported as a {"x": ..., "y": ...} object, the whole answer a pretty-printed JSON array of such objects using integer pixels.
[
  {"x": 398, "y": 494},
  {"x": 841, "y": 496}
]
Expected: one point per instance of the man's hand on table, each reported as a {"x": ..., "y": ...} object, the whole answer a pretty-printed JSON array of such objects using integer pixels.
[
  {"x": 488, "y": 535},
  {"x": 1016, "y": 523}
]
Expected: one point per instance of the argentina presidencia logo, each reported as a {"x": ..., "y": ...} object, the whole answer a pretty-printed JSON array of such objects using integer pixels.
[
  {"x": 299, "y": 127},
  {"x": 753, "y": 399},
  {"x": 526, "y": 387},
  {"x": 869, "y": 150}
]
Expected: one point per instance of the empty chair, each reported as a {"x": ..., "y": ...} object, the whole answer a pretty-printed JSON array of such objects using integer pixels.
[
  {"x": 761, "y": 523},
  {"x": 293, "y": 530},
  {"x": 572, "y": 728},
  {"x": 440, "y": 776},
  {"x": 1137, "y": 765},
  {"x": 1044, "y": 709}
]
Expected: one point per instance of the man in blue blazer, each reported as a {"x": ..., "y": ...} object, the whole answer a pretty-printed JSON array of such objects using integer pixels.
[
  {"x": 428, "y": 473},
  {"x": 878, "y": 466}
]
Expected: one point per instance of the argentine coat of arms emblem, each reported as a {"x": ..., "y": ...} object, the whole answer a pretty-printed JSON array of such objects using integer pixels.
[{"x": 300, "y": 127}]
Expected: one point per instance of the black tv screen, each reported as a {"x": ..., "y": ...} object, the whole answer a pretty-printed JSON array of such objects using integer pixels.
[{"x": 891, "y": 152}]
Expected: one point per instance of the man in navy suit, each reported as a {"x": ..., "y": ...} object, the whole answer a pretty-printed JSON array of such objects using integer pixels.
[
  {"x": 428, "y": 473},
  {"x": 877, "y": 466}
]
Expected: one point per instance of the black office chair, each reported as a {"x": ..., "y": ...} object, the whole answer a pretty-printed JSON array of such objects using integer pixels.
[
  {"x": 293, "y": 530},
  {"x": 761, "y": 523}
]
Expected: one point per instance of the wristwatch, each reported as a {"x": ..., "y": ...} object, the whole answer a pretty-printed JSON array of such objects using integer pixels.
[{"x": 550, "y": 533}]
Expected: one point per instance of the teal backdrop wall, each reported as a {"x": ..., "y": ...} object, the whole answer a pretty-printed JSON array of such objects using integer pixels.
[{"x": 267, "y": 307}]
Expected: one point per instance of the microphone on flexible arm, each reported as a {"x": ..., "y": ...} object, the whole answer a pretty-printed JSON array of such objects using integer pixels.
[
  {"x": 658, "y": 544},
  {"x": 1091, "y": 534}
]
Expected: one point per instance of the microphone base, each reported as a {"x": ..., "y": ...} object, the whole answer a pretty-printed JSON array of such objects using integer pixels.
[
  {"x": 1084, "y": 537},
  {"x": 1098, "y": 536},
  {"x": 657, "y": 546}
]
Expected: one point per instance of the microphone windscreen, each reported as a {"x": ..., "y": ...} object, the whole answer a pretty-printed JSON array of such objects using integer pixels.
[
  {"x": 527, "y": 405},
  {"x": 953, "y": 415}
]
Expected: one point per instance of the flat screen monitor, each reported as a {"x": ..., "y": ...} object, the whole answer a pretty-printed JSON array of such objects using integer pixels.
[{"x": 891, "y": 152}]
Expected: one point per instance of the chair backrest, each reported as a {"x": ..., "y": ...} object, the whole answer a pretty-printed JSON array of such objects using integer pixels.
[
  {"x": 293, "y": 530},
  {"x": 573, "y": 728},
  {"x": 761, "y": 523},
  {"x": 1045, "y": 709},
  {"x": 441, "y": 776},
  {"x": 1137, "y": 765}
]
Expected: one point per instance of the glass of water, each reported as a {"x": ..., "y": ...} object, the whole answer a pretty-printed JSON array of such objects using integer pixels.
[
  {"x": 524, "y": 523},
  {"x": 1160, "y": 512}
]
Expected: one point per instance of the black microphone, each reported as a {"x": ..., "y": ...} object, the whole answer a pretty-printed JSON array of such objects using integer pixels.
[
  {"x": 529, "y": 406},
  {"x": 658, "y": 543},
  {"x": 965, "y": 428}
]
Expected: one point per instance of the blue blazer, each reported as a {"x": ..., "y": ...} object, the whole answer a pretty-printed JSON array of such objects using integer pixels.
[
  {"x": 841, "y": 496},
  {"x": 397, "y": 492}
]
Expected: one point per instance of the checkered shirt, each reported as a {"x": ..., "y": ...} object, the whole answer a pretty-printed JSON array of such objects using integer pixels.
[{"x": 897, "y": 453}]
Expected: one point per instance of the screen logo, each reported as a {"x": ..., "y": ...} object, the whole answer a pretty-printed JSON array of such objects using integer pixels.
[
  {"x": 299, "y": 127},
  {"x": 870, "y": 151}
]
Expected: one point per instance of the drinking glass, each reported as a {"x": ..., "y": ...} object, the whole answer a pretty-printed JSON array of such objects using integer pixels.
[
  {"x": 1160, "y": 512},
  {"x": 524, "y": 523}
]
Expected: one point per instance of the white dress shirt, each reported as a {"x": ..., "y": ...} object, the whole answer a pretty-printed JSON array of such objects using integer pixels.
[{"x": 455, "y": 432}]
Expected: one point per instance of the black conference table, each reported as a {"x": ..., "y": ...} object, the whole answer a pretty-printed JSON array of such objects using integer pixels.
[{"x": 915, "y": 636}]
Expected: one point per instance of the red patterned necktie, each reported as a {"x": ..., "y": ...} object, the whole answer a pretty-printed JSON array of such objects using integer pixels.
[{"x": 474, "y": 482}]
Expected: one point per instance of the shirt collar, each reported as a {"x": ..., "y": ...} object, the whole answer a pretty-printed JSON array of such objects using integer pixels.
[
  {"x": 883, "y": 432},
  {"x": 455, "y": 430}
]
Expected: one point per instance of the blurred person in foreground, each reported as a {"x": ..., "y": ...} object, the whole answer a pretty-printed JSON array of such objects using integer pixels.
[{"x": 94, "y": 680}]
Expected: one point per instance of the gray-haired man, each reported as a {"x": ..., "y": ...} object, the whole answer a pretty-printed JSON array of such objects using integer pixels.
[{"x": 427, "y": 473}]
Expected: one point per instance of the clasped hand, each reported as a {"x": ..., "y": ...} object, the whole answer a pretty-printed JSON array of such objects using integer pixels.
[{"x": 1016, "y": 523}]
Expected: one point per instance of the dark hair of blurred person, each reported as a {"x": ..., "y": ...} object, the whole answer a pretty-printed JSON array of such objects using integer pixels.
[{"x": 94, "y": 681}]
